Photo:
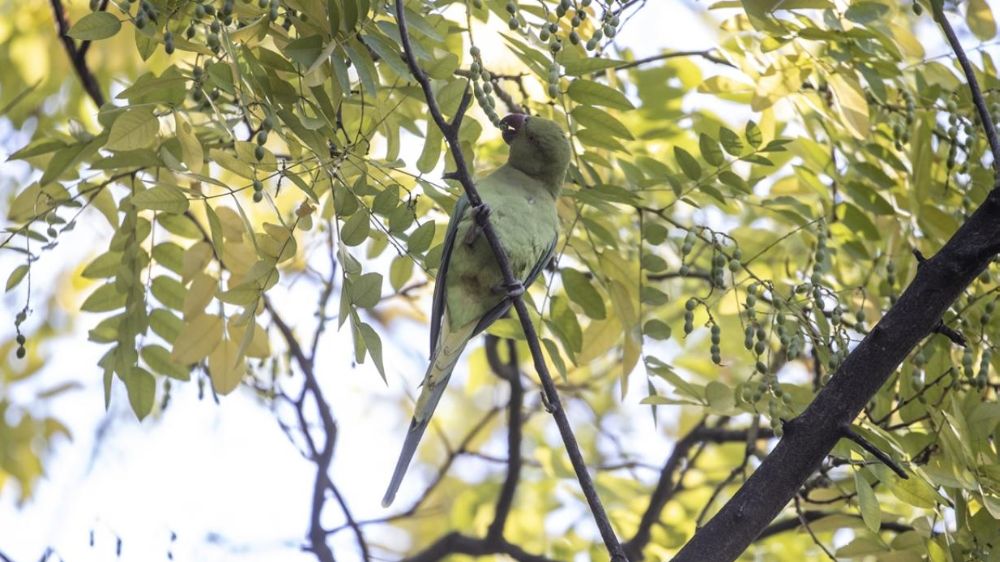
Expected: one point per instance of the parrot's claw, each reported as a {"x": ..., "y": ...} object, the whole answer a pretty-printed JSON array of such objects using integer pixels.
[
  {"x": 480, "y": 212},
  {"x": 512, "y": 290}
]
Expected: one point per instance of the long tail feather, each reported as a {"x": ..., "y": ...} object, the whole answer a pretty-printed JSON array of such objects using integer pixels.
[{"x": 435, "y": 381}]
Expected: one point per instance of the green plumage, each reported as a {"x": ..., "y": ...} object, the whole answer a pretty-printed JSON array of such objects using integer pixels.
[{"x": 521, "y": 195}]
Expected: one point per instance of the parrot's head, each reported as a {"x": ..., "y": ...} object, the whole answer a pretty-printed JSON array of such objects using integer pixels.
[{"x": 538, "y": 147}]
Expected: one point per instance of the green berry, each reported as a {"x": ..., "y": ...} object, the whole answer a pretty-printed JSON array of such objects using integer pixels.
[
  {"x": 258, "y": 196},
  {"x": 20, "y": 352},
  {"x": 258, "y": 152}
]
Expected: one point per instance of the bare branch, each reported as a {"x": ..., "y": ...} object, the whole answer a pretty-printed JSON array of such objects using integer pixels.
[
  {"x": 87, "y": 79},
  {"x": 970, "y": 75}
]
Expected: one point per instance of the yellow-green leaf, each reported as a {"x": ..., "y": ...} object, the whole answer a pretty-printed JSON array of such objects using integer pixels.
[
  {"x": 95, "y": 25},
  {"x": 137, "y": 128},
  {"x": 870, "y": 511},
  {"x": 162, "y": 197},
  {"x": 588, "y": 92},
  {"x": 226, "y": 366},
  {"x": 980, "y": 19},
  {"x": 199, "y": 337}
]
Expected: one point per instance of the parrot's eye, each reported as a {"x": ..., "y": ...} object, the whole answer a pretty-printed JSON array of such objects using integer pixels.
[{"x": 511, "y": 125}]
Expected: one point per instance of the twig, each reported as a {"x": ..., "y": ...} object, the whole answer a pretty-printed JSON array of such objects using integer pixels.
[
  {"x": 510, "y": 372},
  {"x": 665, "y": 487},
  {"x": 706, "y": 54},
  {"x": 321, "y": 456},
  {"x": 805, "y": 523},
  {"x": 87, "y": 78},
  {"x": 457, "y": 543},
  {"x": 977, "y": 94},
  {"x": 450, "y": 133},
  {"x": 867, "y": 445},
  {"x": 351, "y": 522},
  {"x": 791, "y": 523}
]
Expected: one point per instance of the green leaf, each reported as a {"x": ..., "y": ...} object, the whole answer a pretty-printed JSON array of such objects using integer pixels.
[
  {"x": 366, "y": 290},
  {"x": 105, "y": 299},
  {"x": 600, "y": 120},
  {"x": 16, "y": 276},
  {"x": 731, "y": 142},
  {"x": 158, "y": 359},
  {"x": 95, "y": 25},
  {"x": 168, "y": 291},
  {"x": 866, "y": 12},
  {"x": 588, "y": 92},
  {"x": 870, "y": 511},
  {"x": 431, "y": 153},
  {"x": 141, "y": 386},
  {"x": 420, "y": 239},
  {"x": 162, "y": 197},
  {"x": 355, "y": 229},
  {"x": 137, "y": 128},
  {"x": 581, "y": 290},
  {"x": 656, "y": 329},
  {"x": 587, "y": 65},
  {"x": 688, "y": 163},
  {"x": 400, "y": 272},
  {"x": 710, "y": 150},
  {"x": 374, "y": 344},
  {"x": 753, "y": 134}
]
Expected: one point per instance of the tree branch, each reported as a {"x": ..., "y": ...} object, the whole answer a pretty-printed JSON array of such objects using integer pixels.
[
  {"x": 970, "y": 74},
  {"x": 450, "y": 133},
  {"x": 809, "y": 437},
  {"x": 706, "y": 54},
  {"x": 665, "y": 487},
  {"x": 76, "y": 58},
  {"x": 515, "y": 421},
  {"x": 457, "y": 543}
]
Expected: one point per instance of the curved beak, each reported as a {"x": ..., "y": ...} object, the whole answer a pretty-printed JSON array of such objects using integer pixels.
[{"x": 511, "y": 125}]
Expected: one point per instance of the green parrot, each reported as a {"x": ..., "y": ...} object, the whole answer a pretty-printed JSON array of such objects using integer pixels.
[{"x": 520, "y": 197}]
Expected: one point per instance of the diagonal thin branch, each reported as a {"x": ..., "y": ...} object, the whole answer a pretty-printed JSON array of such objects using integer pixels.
[
  {"x": 970, "y": 74},
  {"x": 515, "y": 420},
  {"x": 87, "y": 79},
  {"x": 450, "y": 133}
]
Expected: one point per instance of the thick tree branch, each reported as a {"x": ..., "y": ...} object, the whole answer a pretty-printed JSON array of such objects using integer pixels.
[
  {"x": 809, "y": 437},
  {"x": 462, "y": 174},
  {"x": 87, "y": 78}
]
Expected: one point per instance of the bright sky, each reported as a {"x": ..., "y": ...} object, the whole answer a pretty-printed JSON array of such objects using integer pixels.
[{"x": 224, "y": 479}]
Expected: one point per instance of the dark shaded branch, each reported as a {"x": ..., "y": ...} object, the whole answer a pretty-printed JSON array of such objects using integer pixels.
[
  {"x": 450, "y": 133},
  {"x": 793, "y": 523},
  {"x": 985, "y": 119},
  {"x": 875, "y": 451},
  {"x": 809, "y": 437},
  {"x": 515, "y": 421},
  {"x": 457, "y": 543},
  {"x": 706, "y": 54},
  {"x": 351, "y": 522},
  {"x": 321, "y": 456},
  {"x": 665, "y": 486},
  {"x": 76, "y": 59}
]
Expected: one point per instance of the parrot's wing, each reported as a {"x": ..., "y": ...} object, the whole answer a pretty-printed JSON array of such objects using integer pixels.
[
  {"x": 501, "y": 308},
  {"x": 437, "y": 308}
]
